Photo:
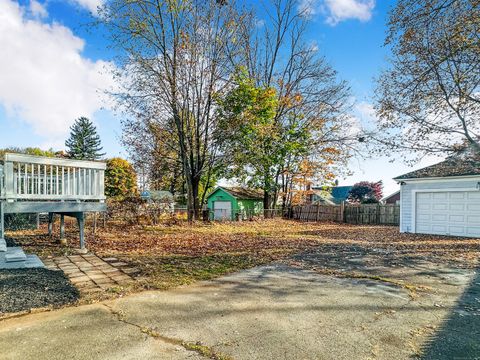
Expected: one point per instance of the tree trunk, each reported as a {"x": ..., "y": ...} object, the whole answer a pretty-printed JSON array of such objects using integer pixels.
[
  {"x": 266, "y": 204},
  {"x": 194, "y": 207}
]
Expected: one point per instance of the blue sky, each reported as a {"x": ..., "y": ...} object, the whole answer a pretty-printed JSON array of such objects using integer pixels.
[{"x": 53, "y": 69}]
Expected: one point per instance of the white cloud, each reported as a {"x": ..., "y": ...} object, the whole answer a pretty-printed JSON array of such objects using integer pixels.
[
  {"x": 38, "y": 10},
  {"x": 314, "y": 46},
  {"x": 366, "y": 111},
  {"x": 45, "y": 81},
  {"x": 308, "y": 8},
  {"x": 90, "y": 5},
  {"x": 259, "y": 23},
  {"x": 339, "y": 10}
]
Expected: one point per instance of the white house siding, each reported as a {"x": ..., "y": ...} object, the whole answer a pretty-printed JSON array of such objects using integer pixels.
[{"x": 406, "y": 194}]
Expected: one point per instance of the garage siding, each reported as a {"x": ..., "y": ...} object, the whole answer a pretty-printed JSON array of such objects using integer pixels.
[{"x": 406, "y": 193}]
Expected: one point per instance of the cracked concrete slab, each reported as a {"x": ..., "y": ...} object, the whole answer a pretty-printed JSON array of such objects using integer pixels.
[
  {"x": 279, "y": 312},
  {"x": 87, "y": 332},
  {"x": 269, "y": 312}
]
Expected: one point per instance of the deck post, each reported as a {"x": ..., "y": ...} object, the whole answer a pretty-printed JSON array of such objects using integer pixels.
[
  {"x": 81, "y": 227},
  {"x": 3, "y": 243},
  {"x": 50, "y": 223},
  {"x": 62, "y": 227},
  {"x": 2, "y": 221}
]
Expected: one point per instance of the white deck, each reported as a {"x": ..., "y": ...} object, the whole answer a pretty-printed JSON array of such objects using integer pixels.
[
  {"x": 34, "y": 184},
  {"x": 51, "y": 179}
]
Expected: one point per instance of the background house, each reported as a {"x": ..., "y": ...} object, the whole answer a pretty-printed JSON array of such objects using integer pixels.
[
  {"x": 232, "y": 203},
  {"x": 161, "y": 198},
  {"x": 443, "y": 198},
  {"x": 392, "y": 198},
  {"x": 322, "y": 195}
]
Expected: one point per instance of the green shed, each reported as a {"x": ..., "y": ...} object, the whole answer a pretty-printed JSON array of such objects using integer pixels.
[{"x": 232, "y": 203}]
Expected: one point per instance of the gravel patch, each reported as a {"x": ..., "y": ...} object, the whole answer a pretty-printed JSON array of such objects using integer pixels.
[
  {"x": 25, "y": 289},
  {"x": 10, "y": 242}
]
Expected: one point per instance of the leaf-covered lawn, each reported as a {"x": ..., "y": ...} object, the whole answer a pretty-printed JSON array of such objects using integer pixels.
[{"x": 180, "y": 254}]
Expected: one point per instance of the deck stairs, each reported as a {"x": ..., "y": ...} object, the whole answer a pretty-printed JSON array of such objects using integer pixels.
[{"x": 14, "y": 258}]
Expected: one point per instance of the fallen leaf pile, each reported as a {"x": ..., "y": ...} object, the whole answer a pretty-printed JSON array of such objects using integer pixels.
[{"x": 272, "y": 236}]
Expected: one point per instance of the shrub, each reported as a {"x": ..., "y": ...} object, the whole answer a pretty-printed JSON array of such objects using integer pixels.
[
  {"x": 14, "y": 222},
  {"x": 120, "y": 179}
]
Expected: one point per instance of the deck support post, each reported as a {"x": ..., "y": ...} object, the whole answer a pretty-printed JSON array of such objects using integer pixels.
[
  {"x": 62, "y": 227},
  {"x": 50, "y": 223},
  {"x": 3, "y": 243},
  {"x": 81, "y": 227},
  {"x": 2, "y": 221}
]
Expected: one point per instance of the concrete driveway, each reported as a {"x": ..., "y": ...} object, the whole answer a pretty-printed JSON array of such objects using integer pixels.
[{"x": 271, "y": 312}]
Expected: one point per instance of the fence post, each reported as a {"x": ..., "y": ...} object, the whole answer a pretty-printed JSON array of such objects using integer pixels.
[
  {"x": 318, "y": 212},
  {"x": 342, "y": 212}
]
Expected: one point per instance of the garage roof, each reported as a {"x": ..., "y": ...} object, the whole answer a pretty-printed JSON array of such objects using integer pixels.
[
  {"x": 244, "y": 193},
  {"x": 464, "y": 163}
]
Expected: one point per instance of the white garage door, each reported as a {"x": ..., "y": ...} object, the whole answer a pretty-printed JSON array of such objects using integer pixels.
[
  {"x": 222, "y": 210},
  {"x": 448, "y": 213}
]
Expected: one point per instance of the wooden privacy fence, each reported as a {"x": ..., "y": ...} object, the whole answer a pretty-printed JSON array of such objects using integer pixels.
[
  {"x": 388, "y": 214},
  {"x": 318, "y": 213}
]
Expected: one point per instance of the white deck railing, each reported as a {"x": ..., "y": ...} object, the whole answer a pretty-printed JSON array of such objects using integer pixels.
[{"x": 25, "y": 177}]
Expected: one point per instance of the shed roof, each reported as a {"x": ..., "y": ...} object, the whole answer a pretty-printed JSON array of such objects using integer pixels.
[
  {"x": 464, "y": 163},
  {"x": 243, "y": 193}
]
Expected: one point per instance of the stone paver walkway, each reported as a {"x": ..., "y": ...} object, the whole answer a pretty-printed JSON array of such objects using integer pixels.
[{"x": 91, "y": 273}]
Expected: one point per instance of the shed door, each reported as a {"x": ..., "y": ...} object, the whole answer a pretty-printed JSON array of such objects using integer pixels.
[
  {"x": 448, "y": 213},
  {"x": 222, "y": 210}
]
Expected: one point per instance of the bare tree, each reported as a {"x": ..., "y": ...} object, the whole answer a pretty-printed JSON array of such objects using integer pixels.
[
  {"x": 153, "y": 148},
  {"x": 428, "y": 101},
  {"x": 175, "y": 61},
  {"x": 311, "y": 98}
]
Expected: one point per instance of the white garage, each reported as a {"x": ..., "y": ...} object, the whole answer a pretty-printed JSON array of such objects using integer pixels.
[
  {"x": 442, "y": 199},
  {"x": 452, "y": 213}
]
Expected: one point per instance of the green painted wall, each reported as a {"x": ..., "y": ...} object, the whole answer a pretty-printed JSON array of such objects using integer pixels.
[
  {"x": 244, "y": 206},
  {"x": 250, "y": 207}
]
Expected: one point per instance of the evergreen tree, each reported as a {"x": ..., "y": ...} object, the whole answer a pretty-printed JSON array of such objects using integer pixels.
[{"x": 84, "y": 142}]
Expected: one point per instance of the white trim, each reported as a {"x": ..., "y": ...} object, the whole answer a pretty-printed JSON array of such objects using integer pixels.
[
  {"x": 42, "y": 160},
  {"x": 414, "y": 201},
  {"x": 401, "y": 208},
  {"x": 439, "y": 179}
]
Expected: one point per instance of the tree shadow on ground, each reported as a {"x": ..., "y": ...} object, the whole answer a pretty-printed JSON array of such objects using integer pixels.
[
  {"x": 388, "y": 245},
  {"x": 459, "y": 336}
]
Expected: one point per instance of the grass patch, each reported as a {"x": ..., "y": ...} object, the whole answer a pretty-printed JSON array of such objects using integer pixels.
[{"x": 165, "y": 272}]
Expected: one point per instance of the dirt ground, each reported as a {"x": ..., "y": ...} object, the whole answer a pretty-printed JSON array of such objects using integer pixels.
[{"x": 179, "y": 254}]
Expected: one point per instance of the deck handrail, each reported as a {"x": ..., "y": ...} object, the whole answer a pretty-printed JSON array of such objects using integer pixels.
[
  {"x": 32, "y": 159},
  {"x": 27, "y": 177}
]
